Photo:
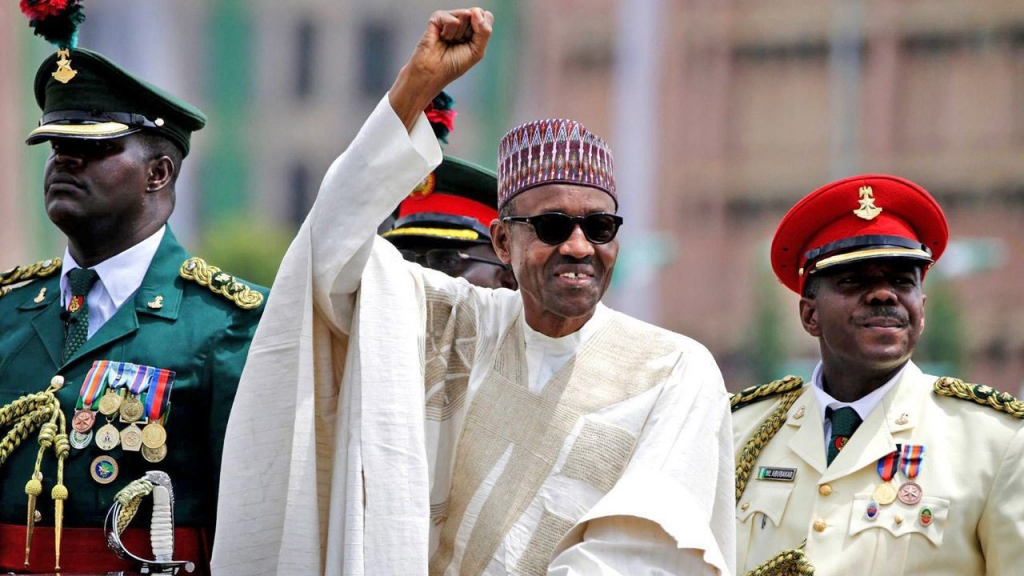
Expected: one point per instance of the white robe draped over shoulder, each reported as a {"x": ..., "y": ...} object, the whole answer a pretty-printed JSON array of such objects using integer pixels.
[{"x": 392, "y": 420}]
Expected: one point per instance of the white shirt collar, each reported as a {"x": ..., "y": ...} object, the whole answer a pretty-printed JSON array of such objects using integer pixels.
[
  {"x": 119, "y": 276},
  {"x": 863, "y": 406},
  {"x": 546, "y": 355}
]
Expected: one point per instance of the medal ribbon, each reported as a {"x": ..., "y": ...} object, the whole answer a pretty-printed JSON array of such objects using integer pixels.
[
  {"x": 889, "y": 464},
  {"x": 141, "y": 381},
  {"x": 125, "y": 375},
  {"x": 913, "y": 456},
  {"x": 115, "y": 374},
  {"x": 93, "y": 385},
  {"x": 159, "y": 395}
]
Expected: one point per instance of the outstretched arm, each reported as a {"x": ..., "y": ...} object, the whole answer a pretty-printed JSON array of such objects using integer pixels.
[
  {"x": 267, "y": 522},
  {"x": 392, "y": 153}
]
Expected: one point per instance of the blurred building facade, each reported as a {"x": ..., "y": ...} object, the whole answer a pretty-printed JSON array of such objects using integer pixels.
[
  {"x": 746, "y": 107},
  {"x": 760, "y": 103}
]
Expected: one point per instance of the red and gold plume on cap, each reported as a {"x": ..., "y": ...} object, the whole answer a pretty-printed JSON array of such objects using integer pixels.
[
  {"x": 441, "y": 114},
  {"x": 55, "y": 20}
]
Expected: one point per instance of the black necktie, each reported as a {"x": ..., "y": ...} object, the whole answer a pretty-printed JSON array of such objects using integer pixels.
[
  {"x": 80, "y": 280},
  {"x": 844, "y": 422}
]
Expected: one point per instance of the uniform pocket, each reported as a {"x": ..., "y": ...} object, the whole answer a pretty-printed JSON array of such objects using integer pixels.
[
  {"x": 926, "y": 518},
  {"x": 759, "y": 515},
  {"x": 768, "y": 499}
]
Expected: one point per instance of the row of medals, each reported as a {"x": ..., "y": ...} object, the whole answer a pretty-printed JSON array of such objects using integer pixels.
[
  {"x": 151, "y": 440},
  {"x": 909, "y": 493}
]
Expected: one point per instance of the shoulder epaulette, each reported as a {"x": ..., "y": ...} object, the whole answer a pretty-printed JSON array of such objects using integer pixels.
[
  {"x": 788, "y": 389},
  {"x": 198, "y": 271},
  {"x": 19, "y": 274},
  {"x": 760, "y": 392},
  {"x": 986, "y": 395}
]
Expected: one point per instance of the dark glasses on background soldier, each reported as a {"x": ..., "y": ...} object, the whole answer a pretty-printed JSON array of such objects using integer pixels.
[
  {"x": 554, "y": 227},
  {"x": 448, "y": 260}
]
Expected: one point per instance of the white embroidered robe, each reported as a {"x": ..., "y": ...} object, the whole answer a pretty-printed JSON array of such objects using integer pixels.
[{"x": 621, "y": 463}]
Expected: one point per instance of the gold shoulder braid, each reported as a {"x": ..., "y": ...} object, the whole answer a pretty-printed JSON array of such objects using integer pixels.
[
  {"x": 23, "y": 416},
  {"x": 760, "y": 392},
  {"x": 986, "y": 395},
  {"x": 790, "y": 388},
  {"x": 19, "y": 274},
  {"x": 788, "y": 562},
  {"x": 198, "y": 271}
]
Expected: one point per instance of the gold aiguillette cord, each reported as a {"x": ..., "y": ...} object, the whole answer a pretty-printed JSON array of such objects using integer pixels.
[{"x": 52, "y": 434}]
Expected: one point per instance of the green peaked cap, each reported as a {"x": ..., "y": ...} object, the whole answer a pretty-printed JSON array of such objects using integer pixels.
[
  {"x": 84, "y": 95},
  {"x": 464, "y": 178}
]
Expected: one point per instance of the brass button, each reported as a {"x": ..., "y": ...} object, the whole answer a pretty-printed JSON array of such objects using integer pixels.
[
  {"x": 819, "y": 525},
  {"x": 57, "y": 382},
  {"x": 745, "y": 506},
  {"x": 825, "y": 489},
  {"x": 898, "y": 520}
]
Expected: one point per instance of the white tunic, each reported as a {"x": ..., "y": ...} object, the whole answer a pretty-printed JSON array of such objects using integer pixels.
[{"x": 605, "y": 452}]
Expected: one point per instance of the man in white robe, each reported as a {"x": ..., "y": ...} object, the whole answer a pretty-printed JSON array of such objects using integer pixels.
[{"x": 393, "y": 420}]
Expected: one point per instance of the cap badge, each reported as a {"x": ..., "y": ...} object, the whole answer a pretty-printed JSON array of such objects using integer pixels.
[
  {"x": 64, "y": 72},
  {"x": 867, "y": 210},
  {"x": 425, "y": 188}
]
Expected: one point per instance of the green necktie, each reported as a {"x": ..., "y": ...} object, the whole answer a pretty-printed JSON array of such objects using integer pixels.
[
  {"x": 844, "y": 423},
  {"x": 80, "y": 280}
]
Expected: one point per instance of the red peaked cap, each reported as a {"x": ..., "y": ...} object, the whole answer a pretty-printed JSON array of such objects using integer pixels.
[
  {"x": 455, "y": 203},
  {"x": 858, "y": 218}
]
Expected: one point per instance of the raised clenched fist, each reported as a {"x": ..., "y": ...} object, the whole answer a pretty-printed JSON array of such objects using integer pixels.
[{"x": 453, "y": 42}]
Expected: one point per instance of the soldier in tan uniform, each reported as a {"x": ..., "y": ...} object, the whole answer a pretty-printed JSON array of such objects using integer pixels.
[{"x": 873, "y": 467}]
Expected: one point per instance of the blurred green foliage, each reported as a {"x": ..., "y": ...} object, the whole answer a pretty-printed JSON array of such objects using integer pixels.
[
  {"x": 942, "y": 346},
  {"x": 768, "y": 346},
  {"x": 246, "y": 247}
]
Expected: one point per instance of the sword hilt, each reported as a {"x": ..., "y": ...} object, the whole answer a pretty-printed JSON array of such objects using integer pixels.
[{"x": 161, "y": 528}]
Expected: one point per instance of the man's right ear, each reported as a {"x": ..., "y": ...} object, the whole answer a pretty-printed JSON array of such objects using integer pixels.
[
  {"x": 809, "y": 316},
  {"x": 500, "y": 241}
]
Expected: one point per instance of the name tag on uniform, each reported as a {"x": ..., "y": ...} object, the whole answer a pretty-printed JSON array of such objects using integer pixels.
[{"x": 776, "y": 474}]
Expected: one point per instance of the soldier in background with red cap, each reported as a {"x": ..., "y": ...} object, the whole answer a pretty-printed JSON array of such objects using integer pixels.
[
  {"x": 874, "y": 467},
  {"x": 445, "y": 224}
]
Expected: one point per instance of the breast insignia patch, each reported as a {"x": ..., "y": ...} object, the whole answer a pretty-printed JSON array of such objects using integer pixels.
[
  {"x": 197, "y": 270},
  {"x": 981, "y": 394}
]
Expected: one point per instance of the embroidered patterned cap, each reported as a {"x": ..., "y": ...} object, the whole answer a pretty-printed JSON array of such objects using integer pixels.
[
  {"x": 553, "y": 151},
  {"x": 857, "y": 218}
]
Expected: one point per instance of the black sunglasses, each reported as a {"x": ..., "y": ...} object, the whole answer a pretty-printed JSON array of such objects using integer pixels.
[
  {"x": 447, "y": 260},
  {"x": 554, "y": 227}
]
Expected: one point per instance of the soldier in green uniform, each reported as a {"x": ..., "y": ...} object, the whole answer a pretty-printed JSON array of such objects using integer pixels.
[{"x": 123, "y": 356}]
